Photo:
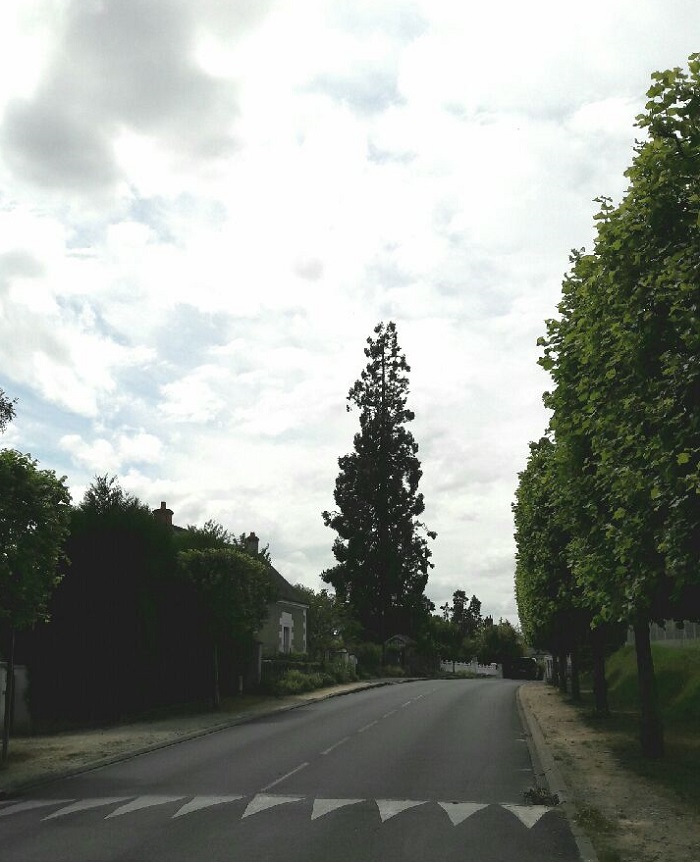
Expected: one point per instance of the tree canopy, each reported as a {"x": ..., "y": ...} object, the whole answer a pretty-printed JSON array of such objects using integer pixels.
[
  {"x": 382, "y": 546},
  {"x": 34, "y": 523},
  {"x": 7, "y": 410},
  {"x": 624, "y": 355}
]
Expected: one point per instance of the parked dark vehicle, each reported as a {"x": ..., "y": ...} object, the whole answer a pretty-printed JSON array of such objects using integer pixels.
[{"x": 520, "y": 668}]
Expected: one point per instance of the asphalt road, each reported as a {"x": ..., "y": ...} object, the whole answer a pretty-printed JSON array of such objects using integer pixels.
[{"x": 428, "y": 770}]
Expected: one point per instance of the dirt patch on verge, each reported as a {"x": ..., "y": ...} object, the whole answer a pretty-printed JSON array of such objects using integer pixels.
[{"x": 627, "y": 818}]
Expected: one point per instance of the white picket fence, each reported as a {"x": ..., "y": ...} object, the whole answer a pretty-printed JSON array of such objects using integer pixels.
[{"x": 471, "y": 667}]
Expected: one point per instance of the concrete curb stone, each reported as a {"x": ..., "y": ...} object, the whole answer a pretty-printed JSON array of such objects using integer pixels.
[{"x": 549, "y": 775}]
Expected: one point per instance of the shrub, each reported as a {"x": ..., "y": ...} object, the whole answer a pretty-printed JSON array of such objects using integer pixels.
[
  {"x": 392, "y": 670},
  {"x": 369, "y": 658}
]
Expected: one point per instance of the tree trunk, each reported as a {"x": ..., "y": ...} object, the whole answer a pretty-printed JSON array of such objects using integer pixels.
[
  {"x": 652, "y": 733},
  {"x": 217, "y": 692},
  {"x": 554, "y": 680},
  {"x": 575, "y": 681},
  {"x": 563, "y": 682},
  {"x": 9, "y": 698},
  {"x": 600, "y": 685}
]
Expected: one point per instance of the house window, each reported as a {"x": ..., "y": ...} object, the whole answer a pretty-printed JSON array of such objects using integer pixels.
[{"x": 285, "y": 639}]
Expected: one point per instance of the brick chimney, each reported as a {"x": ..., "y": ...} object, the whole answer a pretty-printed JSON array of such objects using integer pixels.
[
  {"x": 252, "y": 544},
  {"x": 164, "y": 515}
]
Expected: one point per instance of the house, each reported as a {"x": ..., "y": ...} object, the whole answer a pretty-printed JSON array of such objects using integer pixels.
[{"x": 284, "y": 630}]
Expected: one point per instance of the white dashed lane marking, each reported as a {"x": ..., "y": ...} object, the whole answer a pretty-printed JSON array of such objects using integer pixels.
[
  {"x": 285, "y": 777},
  {"x": 335, "y": 745}
]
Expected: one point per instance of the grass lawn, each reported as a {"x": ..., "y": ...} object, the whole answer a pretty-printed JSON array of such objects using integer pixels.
[{"x": 678, "y": 683}]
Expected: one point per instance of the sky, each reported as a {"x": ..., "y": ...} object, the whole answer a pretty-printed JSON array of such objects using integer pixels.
[{"x": 206, "y": 207}]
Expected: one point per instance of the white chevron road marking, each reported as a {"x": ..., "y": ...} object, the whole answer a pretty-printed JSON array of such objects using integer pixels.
[
  {"x": 200, "y": 802},
  {"x": 389, "y": 808},
  {"x": 86, "y": 805},
  {"x": 459, "y": 811},
  {"x": 31, "y": 803},
  {"x": 261, "y": 802},
  {"x": 142, "y": 802},
  {"x": 325, "y": 806},
  {"x": 526, "y": 814}
]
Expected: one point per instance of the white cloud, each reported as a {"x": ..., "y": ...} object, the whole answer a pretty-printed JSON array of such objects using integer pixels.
[{"x": 207, "y": 207}]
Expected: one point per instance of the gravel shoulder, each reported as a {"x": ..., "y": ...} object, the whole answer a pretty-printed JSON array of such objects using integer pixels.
[{"x": 627, "y": 818}]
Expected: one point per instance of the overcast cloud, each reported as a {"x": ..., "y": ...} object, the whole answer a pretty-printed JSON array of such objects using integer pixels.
[{"x": 205, "y": 208}]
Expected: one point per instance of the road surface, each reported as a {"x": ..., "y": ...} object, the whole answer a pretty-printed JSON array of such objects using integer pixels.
[{"x": 427, "y": 770}]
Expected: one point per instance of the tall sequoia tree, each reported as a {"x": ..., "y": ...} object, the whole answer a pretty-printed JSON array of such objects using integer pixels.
[{"x": 381, "y": 547}]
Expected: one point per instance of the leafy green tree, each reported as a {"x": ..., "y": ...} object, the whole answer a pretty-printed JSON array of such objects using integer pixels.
[
  {"x": 381, "y": 547},
  {"x": 624, "y": 356},
  {"x": 7, "y": 410},
  {"x": 498, "y": 643},
  {"x": 34, "y": 523},
  {"x": 326, "y": 621},
  {"x": 235, "y": 590},
  {"x": 112, "y": 646}
]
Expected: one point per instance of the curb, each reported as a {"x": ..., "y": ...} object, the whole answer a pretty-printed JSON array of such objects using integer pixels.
[
  {"x": 241, "y": 718},
  {"x": 548, "y": 773}
]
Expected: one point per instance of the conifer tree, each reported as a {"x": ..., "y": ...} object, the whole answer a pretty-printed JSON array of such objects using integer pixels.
[{"x": 381, "y": 547}]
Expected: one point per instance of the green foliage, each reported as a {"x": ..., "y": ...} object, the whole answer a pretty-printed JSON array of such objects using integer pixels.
[
  {"x": 381, "y": 546},
  {"x": 369, "y": 658},
  {"x": 326, "y": 621},
  {"x": 34, "y": 523},
  {"x": 498, "y": 643},
  {"x": 678, "y": 680},
  {"x": 119, "y": 618},
  {"x": 211, "y": 535},
  {"x": 235, "y": 589},
  {"x": 392, "y": 671},
  {"x": 551, "y": 606},
  {"x": 7, "y": 410},
  {"x": 624, "y": 357}
]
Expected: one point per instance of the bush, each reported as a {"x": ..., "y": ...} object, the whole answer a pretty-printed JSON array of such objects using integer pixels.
[
  {"x": 392, "y": 670},
  {"x": 369, "y": 658},
  {"x": 340, "y": 672}
]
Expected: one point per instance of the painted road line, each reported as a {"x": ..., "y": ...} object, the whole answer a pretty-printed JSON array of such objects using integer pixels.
[
  {"x": 284, "y": 777},
  {"x": 389, "y": 808},
  {"x": 87, "y": 805},
  {"x": 200, "y": 802},
  {"x": 387, "y": 714},
  {"x": 335, "y": 745},
  {"x": 528, "y": 815},
  {"x": 367, "y": 726},
  {"x": 32, "y": 803},
  {"x": 261, "y": 802},
  {"x": 142, "y": 802},
  {"x": 459, "y": 811},
  {"x": 325, "y": 806}
]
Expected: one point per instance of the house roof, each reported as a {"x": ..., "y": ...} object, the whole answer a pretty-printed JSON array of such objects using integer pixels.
[{"x": 285, "y": 591}]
